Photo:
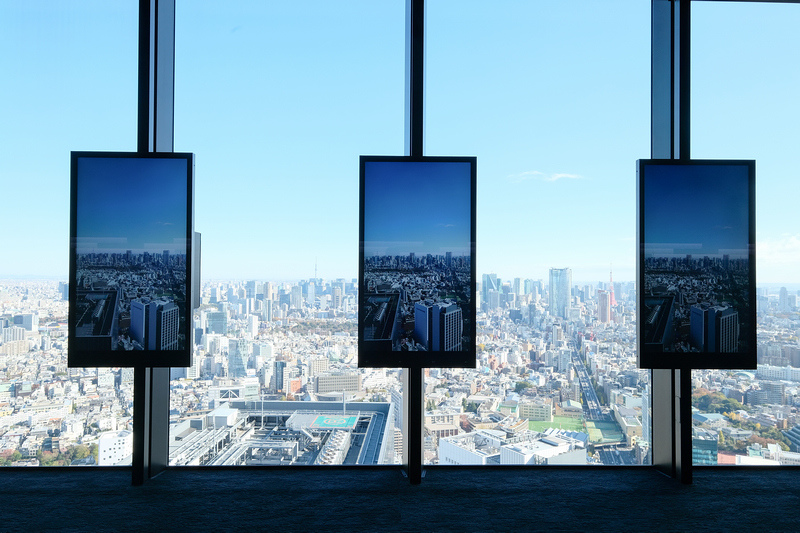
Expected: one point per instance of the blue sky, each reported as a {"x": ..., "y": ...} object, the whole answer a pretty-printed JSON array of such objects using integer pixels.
[
  {"x": 118, "y": 212},
  {"x": 279, "y": 99},
  {"x": 701, "y": 210},
  {"x": 421, "y": 208}
]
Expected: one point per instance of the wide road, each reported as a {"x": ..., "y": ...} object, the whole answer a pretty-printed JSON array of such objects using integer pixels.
[
  {"x": 615, "y": 456},
  {"x": 591, "y": 403}
]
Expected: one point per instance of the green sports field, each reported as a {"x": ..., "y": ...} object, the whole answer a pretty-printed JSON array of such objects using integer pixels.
[{"x": 559, "y": 422}]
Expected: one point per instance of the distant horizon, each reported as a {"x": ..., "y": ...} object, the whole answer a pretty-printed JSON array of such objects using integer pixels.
[
  {"x": 64, "y": 278},
  {"x": 153, "y": 251},
  {"x": 416, "y": 253}
]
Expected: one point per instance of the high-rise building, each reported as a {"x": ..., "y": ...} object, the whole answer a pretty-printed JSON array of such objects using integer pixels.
[
  {"x": 604, "y": 306},
  {"x": 139, "y": 322},
  {"x": 337, "y": 297},
  {"x": 439, "y": 326},
  {"x": 250, "y": 289},
  {"x": 267, "y": 290},
  {"x": 726, "y": 329},
  {"x": 490, "y": 283},
  {"x": 253, "y": 324},
  {"x": 494, "y": 299},
  {"x": 278, "y": 376},
  {"x": 296, "y": 298},
  {"x": 560, "y": 291},
  {"x": 423, "y": 316},
  {"x": 698, "y": 323},
  {"x": 312, "y": 294},
  {"x": 163, "y": 320},
  {"x": 267, "y": 310},
  {"x": 237, "y": 368},
  {"x": 783, "y": 300},
  {"x": 714, "y": 328},
  {"x": 217, "y": 322},
  {"x": 447, "y": 327}
]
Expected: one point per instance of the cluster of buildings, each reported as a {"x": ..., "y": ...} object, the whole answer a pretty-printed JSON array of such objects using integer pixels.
[
  {"x": 417, "y": 303},
  {"x": 127, "y": 301},
  {"x": 275, "y": 380},
  {"x": 764, "y": 429},
  {"x": 697, "y": 304}
]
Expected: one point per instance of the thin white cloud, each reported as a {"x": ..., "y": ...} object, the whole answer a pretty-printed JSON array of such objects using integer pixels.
[
  {"x": 525, "y": 176},
  {"x": 541, "y": 176}
]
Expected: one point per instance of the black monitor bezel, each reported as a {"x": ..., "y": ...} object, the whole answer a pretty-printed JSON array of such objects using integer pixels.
[
  {"x": 78, "y": 357},
  {"x": 695, "y": 360},
  {"x": 466, "y": 358}
]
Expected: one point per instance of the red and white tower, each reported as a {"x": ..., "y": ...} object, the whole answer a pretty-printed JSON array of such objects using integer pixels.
[{"x": 611, "y": 286}]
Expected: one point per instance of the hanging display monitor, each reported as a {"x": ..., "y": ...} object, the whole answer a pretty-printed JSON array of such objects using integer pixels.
[
  {"x": 696, "y": 292},
  {"x": 131, "y": 233},
  {"x": 417, "y": 262}
]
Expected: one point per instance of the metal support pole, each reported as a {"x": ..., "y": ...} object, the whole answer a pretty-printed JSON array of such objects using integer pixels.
[
  {"x": 415, "y": 120},
  {"x": 141, "y": 434},
  {"x": 670, "y": 139},
  {"x": 415, "y": 77},
  {"x": 155, "y": 122},
  {"x": 415, "y": 397}
]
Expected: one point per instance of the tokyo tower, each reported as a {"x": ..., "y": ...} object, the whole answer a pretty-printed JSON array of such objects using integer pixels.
[{"x": 613, "y": 300}]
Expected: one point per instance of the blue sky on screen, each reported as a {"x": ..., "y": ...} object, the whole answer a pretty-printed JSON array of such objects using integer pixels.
[
  {"x": 279, "y": 99},
  {"x": 416, "y": 207},
  {"x": 701, "y": 210},
  {"x": 131, "y": 204}
]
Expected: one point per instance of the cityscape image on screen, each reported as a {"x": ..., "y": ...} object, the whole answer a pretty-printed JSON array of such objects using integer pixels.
[
  {"x": 697, "y": 254},
  {"x": 417, "y": 283},
  {"x": 130, "y": 251}
]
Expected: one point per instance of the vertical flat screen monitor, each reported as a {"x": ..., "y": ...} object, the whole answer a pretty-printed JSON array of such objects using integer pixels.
[
  {"x": 696, "y": 294},
  {"x": 417, "y": 262},
  {"x": 131, "y": 232}
]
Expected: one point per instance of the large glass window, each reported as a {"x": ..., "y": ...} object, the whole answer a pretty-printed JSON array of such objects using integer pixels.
[
  {"x": 278, "y": 100},
  {"x": 744, "y": 106},
  {"x": 553, "y": 99},
  {"x": 69, "y": 83}
]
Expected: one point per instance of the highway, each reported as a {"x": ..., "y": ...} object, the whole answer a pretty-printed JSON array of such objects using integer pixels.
[
  {"x": 591, "y": 403},
  {"x": 615, "y": 456}
]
